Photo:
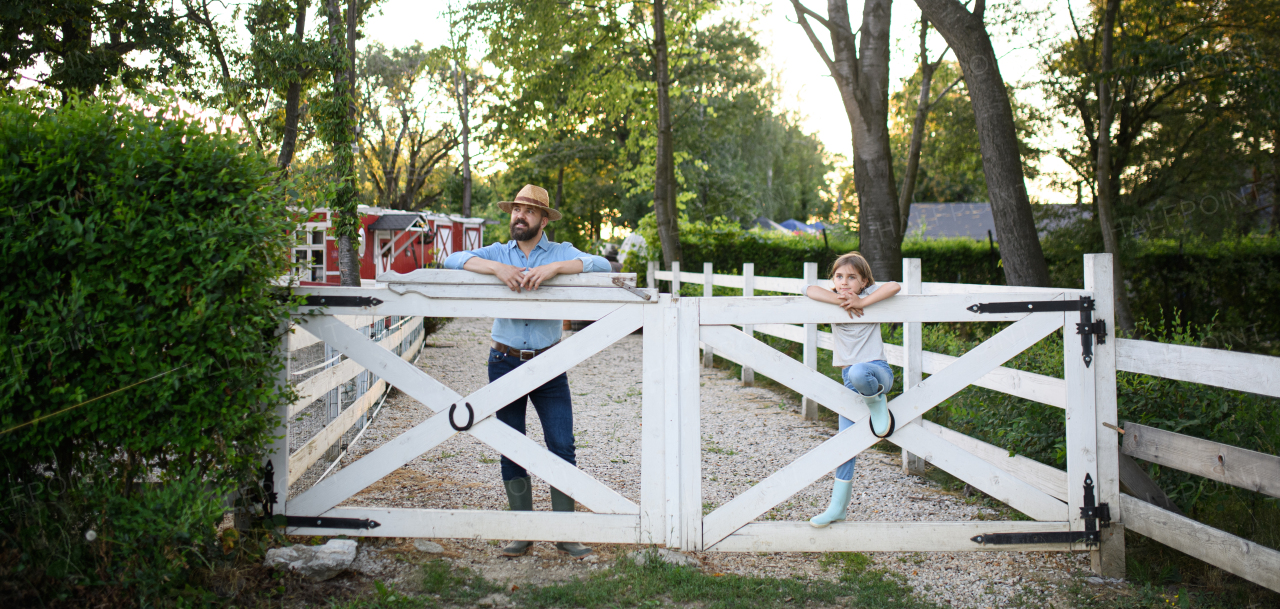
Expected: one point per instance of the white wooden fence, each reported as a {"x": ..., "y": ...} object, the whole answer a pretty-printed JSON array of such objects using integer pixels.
[{"x": 669, "y": 511}]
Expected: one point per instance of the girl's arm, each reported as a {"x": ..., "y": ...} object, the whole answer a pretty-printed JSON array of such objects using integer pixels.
[
  {"x": 822, "y": 294},
  {"x": 854, "y": 304}
]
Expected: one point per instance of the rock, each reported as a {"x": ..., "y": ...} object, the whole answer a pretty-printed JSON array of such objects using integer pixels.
[
  {"x": 430, "y": 547},
  {"x": 1097, "y": 581},
  {"x": 497, "y": 599},
  {"x": 668, "y": 556},
  {"x": 316, "y": 563}
]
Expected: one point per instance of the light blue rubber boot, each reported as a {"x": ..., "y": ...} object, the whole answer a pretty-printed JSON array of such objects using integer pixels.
[
  {"x": 840, "y": 493},
  {"x": 882, "y": 423}
]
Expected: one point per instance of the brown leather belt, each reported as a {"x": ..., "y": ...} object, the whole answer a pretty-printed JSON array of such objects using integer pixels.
[{"x": 524, "y": 354}]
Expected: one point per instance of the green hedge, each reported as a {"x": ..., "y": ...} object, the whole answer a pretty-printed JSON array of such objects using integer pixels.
[{"x": 137, "y": 259}]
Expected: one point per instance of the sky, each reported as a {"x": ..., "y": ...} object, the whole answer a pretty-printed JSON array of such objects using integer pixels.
[{"x": 807, "y": 88}]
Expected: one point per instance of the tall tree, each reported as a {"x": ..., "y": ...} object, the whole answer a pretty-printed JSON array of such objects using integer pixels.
[
  {"x": 664, "y": 180},
  {"x": 923, "y": 105},
  {"x": 861, "y": 72},
  {"x": 966, "y": 33},
  {"x": 338, "y": 126},
  {"x": 1102, "y": 169}
]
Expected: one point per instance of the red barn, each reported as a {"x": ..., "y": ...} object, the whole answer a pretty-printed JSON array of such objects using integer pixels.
[{"x": 390, "y": 239}]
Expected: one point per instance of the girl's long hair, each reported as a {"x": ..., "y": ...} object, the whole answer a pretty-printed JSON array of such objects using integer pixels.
[{"x": 855, "y": 260}]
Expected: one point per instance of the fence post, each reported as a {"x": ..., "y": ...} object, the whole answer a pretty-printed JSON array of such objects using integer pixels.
[
  {"x": 689, "y": 426},
  {"x": 708, "y": 354},
  {"x": 1109, "y": 559},
  {"x": 651, "y": 277},
  {"x": 675, "y": 278},
  {"x": 807, "y": 406},
  {"x": 654, "y": 454},
  {"x": 912, "y": 354},
  {"x": 748, "y": 289},
  {"x": 1082, "y": 421},
  {"x": 279, "y": 452}
]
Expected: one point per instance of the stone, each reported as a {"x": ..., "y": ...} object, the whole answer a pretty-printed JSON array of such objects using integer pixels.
[
  {"x": 497, "y": 599},
  {"x": 316, "y": 563},
  {"x": 664, "y": 555},
  {"x": 1097, "y": 581},
  {"x": 430, "y": 547}
]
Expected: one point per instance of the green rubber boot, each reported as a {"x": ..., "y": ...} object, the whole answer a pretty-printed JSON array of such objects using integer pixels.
[
  {"x": 520, "y": 497},
  {"x": 561, "y": 502}
]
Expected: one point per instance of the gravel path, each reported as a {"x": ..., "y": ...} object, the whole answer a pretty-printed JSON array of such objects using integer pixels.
[{"x": 748, "y": 433}]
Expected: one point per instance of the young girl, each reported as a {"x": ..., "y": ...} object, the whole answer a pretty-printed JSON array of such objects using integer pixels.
[{"x": 860, "y": 353}]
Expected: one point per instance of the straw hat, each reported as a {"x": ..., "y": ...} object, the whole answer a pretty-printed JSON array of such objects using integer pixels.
[{"x": 534, "y": 196}]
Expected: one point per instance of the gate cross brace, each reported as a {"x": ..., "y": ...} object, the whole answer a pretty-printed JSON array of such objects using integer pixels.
[
  {"x": 1087, "y": 328},
  {"x": 485, "y": 402}
]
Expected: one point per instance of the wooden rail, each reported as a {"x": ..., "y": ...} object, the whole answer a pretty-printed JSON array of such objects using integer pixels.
[{"x": 1235, "y": 466}]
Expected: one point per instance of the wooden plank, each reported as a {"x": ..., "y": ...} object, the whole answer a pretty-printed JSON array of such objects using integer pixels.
[
  {"x": 748, "y": 289},
  {"x": 912, "y": 354},
  {"x": 486, "y": 401},
  {"x": 690, "y": 426},
  {"x": 1256, "y": 563},
  {"x": 652, "y": 425},
  {"x": 1240, "y": 467},
  {"x": 278, "y": 451},
  {"x": 1026, "y": 385},
  {"x": 786, "y": 285},
  {"x": 1137, "y": 483},
  {"x": 1082, "y": 423},
  {"x": 809, "y": 348},
  {"x": 675, "y": 278},
  {"x": 479, "y": 524},
  {"x": 413, "y": 304},
  {"x": 309, "y": 453},
  {"x": 315, "y": 386},
  {"x": 504, "y": 293},
  {"x": 708, "y": 354},
  {"x": 748, "y": 351},
  {"x": 1229, "y": 369},
  {"x": 930, "y": 287},
  {"x": 671, "y": 421},
  {"x": 300, "y": 338},
  {"x": 1109, "y": 560},
  {"x": 884, "y": 537},
  {"x": 800, "y": 309},
  {"x": 452, "y": 277},
  {"x": 1049, "y": 480},
  {"x": 984, "y": 476},
  {"x": 651, "y": 277},
  {"x": 817, "y": 462}
]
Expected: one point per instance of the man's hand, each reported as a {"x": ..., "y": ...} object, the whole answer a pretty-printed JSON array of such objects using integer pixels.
[
  {"x": 538, "y": 274},
  {"x": 513, "y": 276}
]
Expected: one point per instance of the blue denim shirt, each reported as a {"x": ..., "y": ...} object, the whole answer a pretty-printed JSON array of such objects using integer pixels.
[{"x": 529, "y": 333}]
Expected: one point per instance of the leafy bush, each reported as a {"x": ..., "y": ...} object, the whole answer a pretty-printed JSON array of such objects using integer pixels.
[{"x": 138, "y": 256}]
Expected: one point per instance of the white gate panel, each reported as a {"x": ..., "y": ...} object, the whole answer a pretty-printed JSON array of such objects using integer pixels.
[
  {"x": 883, "y": 537},
  {"x": 481, "y": 524}
]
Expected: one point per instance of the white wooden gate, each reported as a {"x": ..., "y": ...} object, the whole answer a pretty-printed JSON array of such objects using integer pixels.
[{"x": 670, "y": 508}]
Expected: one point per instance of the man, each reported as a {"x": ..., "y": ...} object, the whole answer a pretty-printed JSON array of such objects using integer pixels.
[{"x": 524, "y": 263}]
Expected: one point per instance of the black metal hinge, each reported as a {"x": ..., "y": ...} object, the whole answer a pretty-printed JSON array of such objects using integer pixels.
[
  {"x": 326, "y": 522},
  {"x": 342, "y": 301},
  {"x": 1096, "y": 517},
  {"x": 268, "y": 490},
  {"x": 1087, "y": 328}
]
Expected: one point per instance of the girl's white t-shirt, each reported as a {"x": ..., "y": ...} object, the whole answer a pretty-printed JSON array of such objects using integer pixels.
[{"x": 857, "y": 343}]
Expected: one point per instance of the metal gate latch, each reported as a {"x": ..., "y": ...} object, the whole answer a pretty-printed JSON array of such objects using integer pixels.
[
  {"x": 1095, "y": 516},
  {"x": 1087, "y": 328}
]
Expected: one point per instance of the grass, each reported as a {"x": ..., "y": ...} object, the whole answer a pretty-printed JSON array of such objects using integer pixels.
[{"x": 626, "y": 584}]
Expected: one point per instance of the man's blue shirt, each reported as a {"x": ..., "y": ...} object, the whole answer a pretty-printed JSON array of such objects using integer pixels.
[{"x": 529, "y": 333}]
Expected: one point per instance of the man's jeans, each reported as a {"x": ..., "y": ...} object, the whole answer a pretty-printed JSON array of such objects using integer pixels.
[
  {"x": 554, "y": 408},
  {"x": 866, "y": 379}
]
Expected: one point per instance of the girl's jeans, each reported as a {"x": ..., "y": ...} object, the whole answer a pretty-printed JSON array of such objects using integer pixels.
[{"x": 867, "y": 379}]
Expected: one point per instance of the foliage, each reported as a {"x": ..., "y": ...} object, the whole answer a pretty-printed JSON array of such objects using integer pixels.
[
  {"x": 579, "y": 112},
  {"x": 140, "y": 250},
  {"x": 950, "y": 161},
  {"x": 84, "y": 44}
]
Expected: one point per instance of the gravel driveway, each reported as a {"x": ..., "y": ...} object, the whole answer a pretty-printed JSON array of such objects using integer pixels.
[{"x": 748, "y": 433}]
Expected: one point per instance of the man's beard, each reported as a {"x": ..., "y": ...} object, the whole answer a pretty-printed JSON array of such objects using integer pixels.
[{"x": 523, "y": 232}]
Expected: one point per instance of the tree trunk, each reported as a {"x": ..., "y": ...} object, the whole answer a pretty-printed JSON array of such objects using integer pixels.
[
  {"x": 1102, "y": 170},
  {"x": 1275, "y": 182},
  {"x": 873, "y": 159},
  {"x": 290, "y": 142},
  {"x": 966, "y": 33},
  {"x": 917, "y": 132},
  {"x": 346, "y": 215},
  {"x": 462, "y": 86},
  {"x": 664, "y": 178}
]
